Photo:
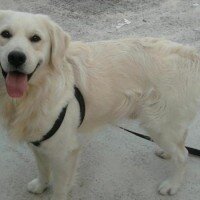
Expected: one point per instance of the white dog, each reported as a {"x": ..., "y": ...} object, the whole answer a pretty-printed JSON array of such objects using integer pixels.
[{"x": 43, "y": 73}]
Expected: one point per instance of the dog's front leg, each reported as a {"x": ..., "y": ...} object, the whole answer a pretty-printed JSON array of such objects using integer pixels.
[
  {"x": 63, "y": 173},
  {"x": 39, "y": 184}
]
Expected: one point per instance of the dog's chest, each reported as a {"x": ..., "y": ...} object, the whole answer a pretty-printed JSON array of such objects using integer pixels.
[{"x": 20, "y": 121}]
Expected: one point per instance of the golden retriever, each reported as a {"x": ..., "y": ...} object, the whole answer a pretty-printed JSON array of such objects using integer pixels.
[{"x": 153, "y": 80}]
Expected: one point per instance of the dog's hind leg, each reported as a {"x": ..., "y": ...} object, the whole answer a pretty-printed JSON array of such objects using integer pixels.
[
  {"x": 166, "y": 124},
  {"x": 179, "y": 155},
  {"x": 172, "y": 184},
  {"x": 39, "y": 184}
]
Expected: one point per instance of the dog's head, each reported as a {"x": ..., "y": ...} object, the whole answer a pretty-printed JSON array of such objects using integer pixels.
[{"x": 28, "y": 44}]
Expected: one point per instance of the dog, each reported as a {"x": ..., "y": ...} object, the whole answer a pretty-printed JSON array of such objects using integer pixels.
[{"x": 49, "y": 81}]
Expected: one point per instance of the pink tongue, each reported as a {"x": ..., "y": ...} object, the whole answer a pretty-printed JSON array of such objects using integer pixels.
[{"x": 16, "y": 84}]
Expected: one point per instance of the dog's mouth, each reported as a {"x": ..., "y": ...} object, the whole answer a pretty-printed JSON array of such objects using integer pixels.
[{"x": 17, "y": 82}]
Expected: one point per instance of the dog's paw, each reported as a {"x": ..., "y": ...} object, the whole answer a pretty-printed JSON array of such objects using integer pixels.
[
  {"x": 168, "y": 187},
  {"x": 36, "y": 187},
  {"x": 162, "y": 154}
]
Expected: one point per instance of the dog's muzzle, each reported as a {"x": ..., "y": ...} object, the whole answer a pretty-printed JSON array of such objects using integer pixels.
[
  {"x": 17, "y": 81},
  {"x": 19, "y": 72}
]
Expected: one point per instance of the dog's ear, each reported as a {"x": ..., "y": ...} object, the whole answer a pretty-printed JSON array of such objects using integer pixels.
[{"x": 59, "y": 43}]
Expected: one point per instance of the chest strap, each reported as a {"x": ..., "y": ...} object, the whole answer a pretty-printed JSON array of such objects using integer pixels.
[{"x": 59, "y": 120}]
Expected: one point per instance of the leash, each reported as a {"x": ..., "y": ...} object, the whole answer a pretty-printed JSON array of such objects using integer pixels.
[{"x": 192, "y": 151}]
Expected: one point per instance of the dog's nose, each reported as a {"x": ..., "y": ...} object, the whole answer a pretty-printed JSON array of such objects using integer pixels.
[{"x": 16, "y": 58}]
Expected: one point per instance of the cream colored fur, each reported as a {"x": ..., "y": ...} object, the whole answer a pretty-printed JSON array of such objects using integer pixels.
[{"x": 153, "y": 80}]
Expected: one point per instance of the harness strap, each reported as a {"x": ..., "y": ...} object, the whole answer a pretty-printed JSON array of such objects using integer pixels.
[
  {"x": 61, "y": 117},
  {"x": 81, "y": 102},
  {"x": 53, "y": 130}
]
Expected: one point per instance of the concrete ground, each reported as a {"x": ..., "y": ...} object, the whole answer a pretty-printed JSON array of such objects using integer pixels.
[{"x": 115, "y": 165}]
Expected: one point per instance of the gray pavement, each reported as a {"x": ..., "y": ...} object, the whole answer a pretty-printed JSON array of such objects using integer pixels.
[{"x": 115, "y": 165}]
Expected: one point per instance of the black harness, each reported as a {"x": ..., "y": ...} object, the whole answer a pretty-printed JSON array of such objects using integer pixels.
[{"x": 61, "y": 117}]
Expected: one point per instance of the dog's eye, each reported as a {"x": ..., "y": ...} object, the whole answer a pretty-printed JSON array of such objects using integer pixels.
[
  {"x": 6, "y": 34},
  {"x": 35, "y": 38}
]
